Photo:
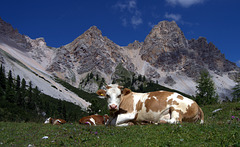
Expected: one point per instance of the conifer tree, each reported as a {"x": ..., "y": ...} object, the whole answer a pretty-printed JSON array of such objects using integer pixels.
[
  {"x": 2, "y": 78},
  {"x": 236, "y": 90},
  {"x": 206, "y": 93},
  {"x": 31, "y": 104},
  {"x": 19, "y": 97},
  {"x": 18, "y": 84},
  {"x": 10, "y": 92}
]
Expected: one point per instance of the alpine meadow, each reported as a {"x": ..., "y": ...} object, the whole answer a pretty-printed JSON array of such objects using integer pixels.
[{"x": 41, "y": 84}]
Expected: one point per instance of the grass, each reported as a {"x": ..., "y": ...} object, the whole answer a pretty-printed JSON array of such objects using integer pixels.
[{"x": 220, "y": 129}]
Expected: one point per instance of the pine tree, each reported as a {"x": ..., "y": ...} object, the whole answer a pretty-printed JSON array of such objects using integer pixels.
[
  {"x": 236, "y": 90},
  {"x": 2, "y": 78},
  {"x": 206, "y": 93},
  {"x": 18, "y": 84},
  {"x": 1, "y": 93},
  {"x": 19, "y": 97},
  {"x": 10, "y": 92},
  {"x": 31, "y": 103}
]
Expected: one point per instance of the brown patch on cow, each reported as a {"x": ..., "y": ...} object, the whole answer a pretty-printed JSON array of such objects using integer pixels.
[
  {"x": 180, "y": 97},
  {"x": 157, "y": 101},
  {"x": 139, "y": 106},
  {"x": 108, "y": 87},
  {"x": 172, "y": 102},
  {"x": 126, "y": 91},
  {"x": 192, "y": 113},
  {"x": 127, "y": 103},
  {"x": 162, "y": 122},
  {"x": 136, "y": 116},
  {"x": 101, "y": 92},
  {"x": 99, "y": 119}
]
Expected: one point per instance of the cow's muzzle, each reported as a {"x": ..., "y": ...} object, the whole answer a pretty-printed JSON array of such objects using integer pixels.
[{"x": 113, "y": 107}]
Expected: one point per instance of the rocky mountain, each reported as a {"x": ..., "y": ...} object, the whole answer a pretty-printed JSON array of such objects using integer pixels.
[
  {"x": 29, "y": 59},
  {"x": 165, "y": 57}
]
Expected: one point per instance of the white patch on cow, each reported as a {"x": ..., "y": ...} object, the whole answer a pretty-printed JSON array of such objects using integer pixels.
[
  {"x": 56, "y": 121},
  {"x": 165, "y": 117},
  {"x": 155, "y": 98},
  {"x": 183, "y": 104},
  {"x": 47, "y": 121},
  {"x": 174, "y": 119},
  {"x": 123, "y": 118},
  {"x": 93, "y": 121}
]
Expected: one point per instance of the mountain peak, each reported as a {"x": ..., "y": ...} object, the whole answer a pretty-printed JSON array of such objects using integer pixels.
[
  {"x": 93, "y": 30},
  {"x": 164, "y": 37},
  {"x": 164, "y": 28}
]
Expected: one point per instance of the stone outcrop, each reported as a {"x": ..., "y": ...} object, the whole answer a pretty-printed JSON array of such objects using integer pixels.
[{"x": 8, "y": 32}]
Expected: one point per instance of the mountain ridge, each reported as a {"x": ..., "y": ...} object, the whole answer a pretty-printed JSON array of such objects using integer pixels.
[{"x": 165, "y": 57}]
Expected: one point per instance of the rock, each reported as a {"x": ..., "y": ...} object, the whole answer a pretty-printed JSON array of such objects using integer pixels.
[{"x": 169, "y": 81}]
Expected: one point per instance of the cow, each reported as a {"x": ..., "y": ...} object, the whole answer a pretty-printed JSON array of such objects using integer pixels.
[
  {"x": 94, "y": 120},
  {"x": 156, "y": 107},
  {"x": 53, "y": 121}
]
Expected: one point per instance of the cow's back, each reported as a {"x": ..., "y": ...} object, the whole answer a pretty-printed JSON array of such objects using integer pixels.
[{"x": 158, "y": 106}]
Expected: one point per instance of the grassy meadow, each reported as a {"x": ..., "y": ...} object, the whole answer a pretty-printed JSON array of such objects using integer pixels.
[{"x": 221, "y": 128}]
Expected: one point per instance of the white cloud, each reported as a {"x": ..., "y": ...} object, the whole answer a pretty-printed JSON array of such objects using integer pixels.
[
  {"x": 184, "y": 3},
  {"x": 175, "y": 17},
  {"x": 130, "y": 13},
  {"x": 136, "y": 20}
]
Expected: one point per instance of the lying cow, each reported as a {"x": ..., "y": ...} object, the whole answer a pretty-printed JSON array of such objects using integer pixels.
[
  {"x": 94, "y": 120},
  {"x": 156, "y": 107},
  {"x": 54, "y": 121}
]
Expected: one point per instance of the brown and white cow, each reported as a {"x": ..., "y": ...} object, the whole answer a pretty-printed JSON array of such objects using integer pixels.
[
  {"x": 94, "y": 120},
  {"x": 156, "y": 107},
  {"x": 54, "y": 121}
]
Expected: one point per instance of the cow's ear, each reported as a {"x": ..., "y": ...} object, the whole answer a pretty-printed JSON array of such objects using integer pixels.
[
  {"x": 126, "y": 91},
  {"x": 101, "y": 92}
]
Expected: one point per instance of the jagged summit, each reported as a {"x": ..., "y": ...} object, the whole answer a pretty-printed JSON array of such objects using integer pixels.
[
  {"x": 165, "y": 56},
  {"x": 94, "y": 29}
]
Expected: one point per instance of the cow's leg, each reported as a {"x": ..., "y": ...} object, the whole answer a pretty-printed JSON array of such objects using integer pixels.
[
  {"x": 123, "y": 119},
  {"x": 176, "y": 116},
  {"x": 164, "y": 119}
]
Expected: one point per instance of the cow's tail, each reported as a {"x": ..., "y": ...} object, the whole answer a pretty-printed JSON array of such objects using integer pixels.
[{"x": 201, "y": 115}]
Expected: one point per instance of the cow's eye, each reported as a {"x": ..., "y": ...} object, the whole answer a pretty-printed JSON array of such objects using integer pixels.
[
  {"x": 119, "y": 96},
  {"x": 107, "y": 96}
]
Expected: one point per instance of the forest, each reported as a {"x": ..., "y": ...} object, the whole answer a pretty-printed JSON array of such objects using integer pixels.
[{"x": 21, "y": 102}]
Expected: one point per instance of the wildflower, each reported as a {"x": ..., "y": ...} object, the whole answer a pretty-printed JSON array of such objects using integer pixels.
[
  {"x": 233, "y": 117},
  {"x": 96, "y": 133}
]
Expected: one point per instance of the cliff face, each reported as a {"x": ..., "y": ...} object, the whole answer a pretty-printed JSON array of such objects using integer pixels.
[
  {"x": 167, "y": 48},
  {"x": 89, "y": 52},
  {"x": 165, "y": 56}
]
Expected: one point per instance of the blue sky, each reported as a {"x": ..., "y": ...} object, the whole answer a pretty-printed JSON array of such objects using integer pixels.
[{"x": 124, "y": 21}]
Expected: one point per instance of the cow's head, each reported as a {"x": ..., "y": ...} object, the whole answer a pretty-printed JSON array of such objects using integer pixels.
[{"x": 113, "y": 95}]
